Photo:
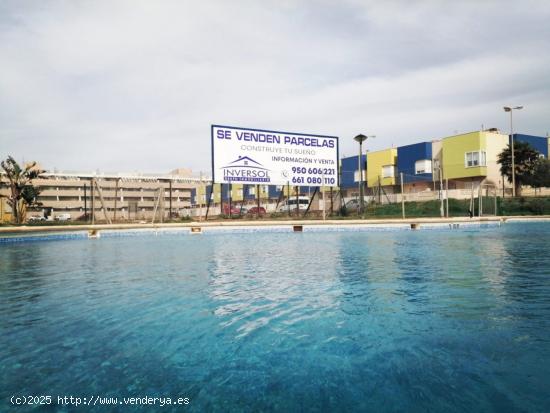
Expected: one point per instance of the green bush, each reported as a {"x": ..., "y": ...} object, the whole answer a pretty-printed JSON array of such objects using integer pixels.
[{"x": 524, "y": 206}]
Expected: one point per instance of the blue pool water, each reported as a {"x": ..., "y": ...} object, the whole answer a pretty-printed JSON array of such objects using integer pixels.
[{"x": 416, "y": 321}]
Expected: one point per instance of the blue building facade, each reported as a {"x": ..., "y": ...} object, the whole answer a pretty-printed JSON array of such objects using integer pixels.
[
  {"x": 249, "y": 194},
  {"x": 415, "y": 162},
  {"x": 540, "y": 143},
  {"x": 348, "y": 168}
]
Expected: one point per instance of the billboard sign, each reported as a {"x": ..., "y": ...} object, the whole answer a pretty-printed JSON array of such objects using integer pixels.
[{"x": 256, "y": 156}]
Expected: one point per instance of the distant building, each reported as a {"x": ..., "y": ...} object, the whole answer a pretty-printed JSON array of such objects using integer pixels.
[
  {"x": 5, "y": 211},
  {"x": 466, "y": 161},
  {"x": 470, "y": 159},
  {"x": 382, "y": 168},
  {"x": 349, "y": 175},
  {"x": 540, "y": 143},
  {"x": 133, "y": 196},
  {"x": 414, "y": 162}
]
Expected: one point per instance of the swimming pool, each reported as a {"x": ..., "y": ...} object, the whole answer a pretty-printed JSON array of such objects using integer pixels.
[{"x": 324, "y": 321}]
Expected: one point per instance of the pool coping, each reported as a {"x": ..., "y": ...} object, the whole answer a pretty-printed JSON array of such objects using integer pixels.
[
  {"x": 291, "y": 222},
  {"x": 23, "y": 233},
  {"x": 72, "y": 228}
]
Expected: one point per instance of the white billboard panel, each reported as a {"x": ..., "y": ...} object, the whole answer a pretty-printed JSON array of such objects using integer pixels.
[{"x": 255, "y": 156}]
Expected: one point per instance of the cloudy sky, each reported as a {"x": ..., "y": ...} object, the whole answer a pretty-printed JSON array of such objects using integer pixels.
[{"x": 135, "y": 85}]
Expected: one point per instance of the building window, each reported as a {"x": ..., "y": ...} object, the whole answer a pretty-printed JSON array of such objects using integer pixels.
[
  {"x": 473, "y": 159},
  {"x": 251, "y": 190},
  {"x": 356, "y": 175},
  {"x": 424, "y": 166},
  {"x": 388, "y": 171}
]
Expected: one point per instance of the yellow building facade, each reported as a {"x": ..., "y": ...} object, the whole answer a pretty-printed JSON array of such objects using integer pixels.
[
  {"x": 381, "y": 167},
  {"x": 472, "y": 155},
  {"x": 5, "y": 211},
  {"x": 238, "y": 193},
  {"x": 203, "y": 188}
]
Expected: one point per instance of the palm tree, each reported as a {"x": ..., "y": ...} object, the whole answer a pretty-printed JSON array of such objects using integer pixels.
[
  {"x": 22, "y": 193},
  {"x": 525, "y": 159}
]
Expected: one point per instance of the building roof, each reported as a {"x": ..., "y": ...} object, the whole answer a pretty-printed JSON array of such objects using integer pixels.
[{"x": 132, "y": 176}]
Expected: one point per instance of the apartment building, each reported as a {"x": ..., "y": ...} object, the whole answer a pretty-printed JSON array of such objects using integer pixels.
[
  {"x": 464, "y": 162},
  {"x": 382, "y": 168},
  {"x": 113, "y": 196},
  {"x": 349, "y": 175},
  {"x": 540, "y": 143},
  {"x": 5, "y": 211},
  {"x": 414, "y": 164},
  {"x": 470, "y": 159}
]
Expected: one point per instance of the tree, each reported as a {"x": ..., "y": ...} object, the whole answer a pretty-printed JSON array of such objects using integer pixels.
[
  {"x": 525, "y": 158},
  {"x": 22, "y": 193},
  {"x": 541, "y": 174}
]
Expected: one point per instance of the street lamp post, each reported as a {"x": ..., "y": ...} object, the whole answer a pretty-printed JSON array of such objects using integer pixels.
[
  {"x": 361, "y": 138},
  {"x": 511, "y": 109}
]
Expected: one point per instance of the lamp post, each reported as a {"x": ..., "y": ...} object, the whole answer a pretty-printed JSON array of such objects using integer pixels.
[
  {"x": 511, "y": 109},
  {"x": 361, "y": 138}
]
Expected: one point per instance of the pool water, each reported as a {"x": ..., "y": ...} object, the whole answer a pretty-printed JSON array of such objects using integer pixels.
[{"x": 440, "y": 321}]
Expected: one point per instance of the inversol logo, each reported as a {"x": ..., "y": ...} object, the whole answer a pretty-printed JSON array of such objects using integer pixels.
[{"x": 245, "y": 169}]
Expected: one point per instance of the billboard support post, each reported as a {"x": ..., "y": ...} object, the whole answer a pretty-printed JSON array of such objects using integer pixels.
[
  {"x": 324, "y": 199},
  {"x": 221, "y": 197},
  {"x": 229, "y": 192},
  {"x": 297, "y": 190},
  {"x": 331, "y": 202},
  {"x": 258, "y": 199},
  {"x": 288, "y": 197},
  {"x": 209, "y": 199}
]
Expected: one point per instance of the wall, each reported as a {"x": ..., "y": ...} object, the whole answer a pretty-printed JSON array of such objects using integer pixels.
[
  {"x": 453, "y": 153},
  {"x": 496, "y": 143},
  {"x": 437, "y": 158},
  {"x": 406, "y": 161},
  {"x": 540, "y": 143},
  {"x": 375, "y": 161},
  {"x": 5, "y": 211},
  {"x": 348, "y": 169},
  {"x": 239, "y": 193}
]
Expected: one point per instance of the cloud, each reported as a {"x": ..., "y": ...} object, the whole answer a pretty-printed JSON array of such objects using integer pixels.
[{"x": 131, "y": 85}]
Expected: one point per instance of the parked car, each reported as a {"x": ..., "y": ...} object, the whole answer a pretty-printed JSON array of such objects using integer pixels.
[
  {"x": 63, "y": 217},
  {"x": 36, "y": 218},
  {"x": 255, "y": 210},
  {"x": 290, "y": 203},
  {"x": 352, "y": 205},
  {"x": 234, "y": 210}
]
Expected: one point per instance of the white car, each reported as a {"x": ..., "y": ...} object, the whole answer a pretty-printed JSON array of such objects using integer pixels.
[
  {"x": 63, "y": 217},
  {"x": 36, "y": 218},
  {"x": 290, "y": 203}
]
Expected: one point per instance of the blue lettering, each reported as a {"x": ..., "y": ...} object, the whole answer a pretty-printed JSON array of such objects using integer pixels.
[
  {"x": 306, "y": 141},
  {"x": 223, "y": 134}
]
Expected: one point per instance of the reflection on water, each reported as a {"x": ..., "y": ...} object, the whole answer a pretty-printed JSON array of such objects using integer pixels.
[
  {"x": 374, "y": 321},
  {"x": 256, "y": 286}
]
